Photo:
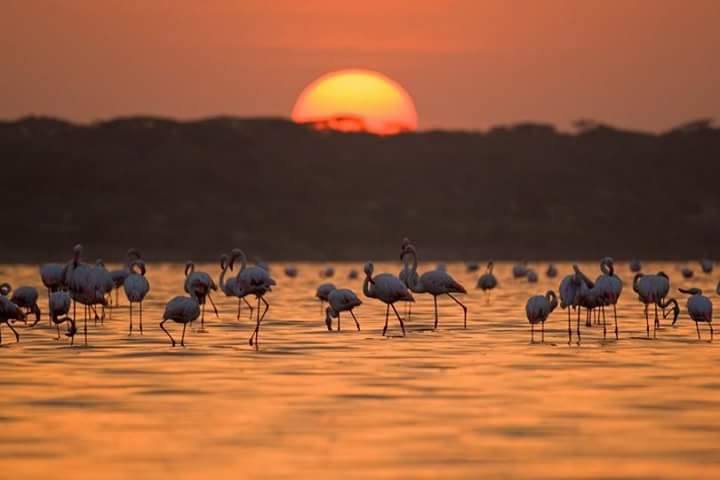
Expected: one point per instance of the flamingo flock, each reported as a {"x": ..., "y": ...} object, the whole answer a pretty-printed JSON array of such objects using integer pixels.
[{"x": 92, "y": 286}]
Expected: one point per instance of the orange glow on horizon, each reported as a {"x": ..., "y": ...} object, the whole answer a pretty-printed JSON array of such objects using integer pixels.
[{"x": 355, "y": 101}]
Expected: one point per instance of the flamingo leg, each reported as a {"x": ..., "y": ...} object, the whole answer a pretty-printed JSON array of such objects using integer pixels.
[
  {"x": 182, "y": 339},
  {"x": 435, "y": 307},
  {"x": 338, "y": 321},
  {"x": 141, "y": 329},
  {"x": 217, "y": 314},
  {"x": 532, "y": 333},
  {"x": 463, "y": 307},
  {"x": 49, "y": 292},
  {"x": 578, "y": 326},
  {"x": 130, "y": 327},
  {"x": 657, "y": 322},
  {"x": 239, "y": 308},
  {"x": 602, "y": 308},
  {"x": 249, "y": 306},
  {"x": 85, "y": 319},
  {"x": 0, "y": 334},
  {"x": 647, "y": 321},
  {"x": 569, "y": 327},
  {"x": 259, "y": 320},
  {"x": 162, "y": 327},
  {"x": 697, "y": 327},
  {"x": 616, "y": 324},
  {"x": 387, "y": 313},
  {"x": 542, "y": 331},
  {"x": 409, "y": 315},
  {"x": 402, "y": 325},
  {"x": 17, "y": 336},
  {"x": 202, "y": 317},
  {"x": 358, "y": 323}
]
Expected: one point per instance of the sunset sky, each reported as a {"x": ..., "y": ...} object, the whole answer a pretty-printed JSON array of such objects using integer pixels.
[{"x": 646, "y": 64}]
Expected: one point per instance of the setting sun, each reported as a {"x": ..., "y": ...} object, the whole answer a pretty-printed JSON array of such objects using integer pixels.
[{"x": 356, "y": 100}]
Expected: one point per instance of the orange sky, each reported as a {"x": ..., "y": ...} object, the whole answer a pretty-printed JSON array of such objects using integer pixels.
[{"x": 647, "y": 64}]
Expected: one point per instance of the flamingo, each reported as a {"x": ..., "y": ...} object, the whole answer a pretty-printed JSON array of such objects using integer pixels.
[
  {"x": 256, "y": 281},
  {"x": 181, "y": 310},
  {"x": 104, "y": 281},
  {"x": 706, "y": 265},
  {"x": 572, "y": 288},
  {"x": 51, "y": 275},
  {"x": 388, "y": 289},
  {"x": 520, "y": 270},
  {"x": 472, "y": 266},
  {"x": 27, "y": 297},
  {"x": 9, "y": 312},
  {"x": 200, "y": 283},
  {"x": 323, "y": 292},
  {"x": 487, "y": 281},
  {"x": 610, "y": 286},
  {"x": 551, "y": 271},
  {"x": 635, "y": 265},
  {"x": 687, "y": 272},
  {"x": 119, "y": 276},
  {"x": 291, "y": 271},
  {"x": 136, "y": 287},
  {"x": 229, "y": 286},
  {"x": 436, "y": 283},
  {"x": 59, "y": 307},
  {"x": 83, "y": 281},
  {"x": 537, "y": 309},
  {"x": 653, "y": 289},
  {"x": 353, "y": 274},
  {"x": 700, "y": 309},
  {"x": 327, "y": 272},
  {"x": 341, "y": 300},
  {"x": 532, "y": 276},
  {"x": 407, "y": 275}
]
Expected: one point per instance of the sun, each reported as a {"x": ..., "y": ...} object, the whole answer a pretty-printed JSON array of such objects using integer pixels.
[{"x": 356, "y": 101}]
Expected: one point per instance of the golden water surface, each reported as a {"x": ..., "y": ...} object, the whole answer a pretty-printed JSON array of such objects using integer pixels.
[{"x": 451, "y": 403}]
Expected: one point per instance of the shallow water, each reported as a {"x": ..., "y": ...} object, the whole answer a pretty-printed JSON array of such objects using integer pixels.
[{"x": 451, "y": 403}]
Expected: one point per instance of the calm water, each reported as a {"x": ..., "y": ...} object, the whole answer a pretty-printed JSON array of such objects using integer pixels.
[{"x": 453, "y": 403}]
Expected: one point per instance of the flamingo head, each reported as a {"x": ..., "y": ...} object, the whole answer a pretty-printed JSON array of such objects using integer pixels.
[
  {"x": 368, "y": 268},
  {"x": 140, "y": 264},
  {"x": 189, "y": 267},
  {"x": 5, "y": 289},
  {"x": 690, "y": 291},
  {"x": 224, "y": 258},
  {"x": 134, "y": 254}
]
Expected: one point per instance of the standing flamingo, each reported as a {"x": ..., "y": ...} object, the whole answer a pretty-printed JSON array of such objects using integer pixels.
[
  {"x": 181, "y": 310},
  {"x": 201, "y": 284},
  {"x": 635, "y": 265},
  {"x": 532, "y": 276},
  {"x": 407, "y": 275},
  {"x": 487, "y": 281},
  {"x": 291, "y": 271},
  {"x": 136, "y": 287},
  {"x": 256, "y": 281},
  {"x": 687, "y": 272},
  {"x": 119, "y": 276},
  {"x": 229, "y": 286},
  {"x": 388, "y": 289},
  {"x": 537, "y": 309},
  {"x": 572, "y": 289},
  {"x": 551, "y": 271},
  {"x": 520, "y": 270},
  {"x": 700, "y": 309},
  {"x": 610, "y": 286},
  {"x": 436, "y": 283},
  {"x": 85, "y": 286},
  {"x": 341, "y": 300},
  {"x": 706, "y": 265},
  {"x": 51, "y": 275},
  {"x": 652, "y": 289}
]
